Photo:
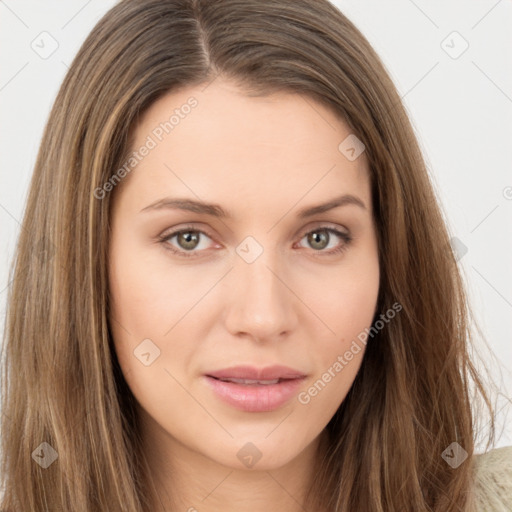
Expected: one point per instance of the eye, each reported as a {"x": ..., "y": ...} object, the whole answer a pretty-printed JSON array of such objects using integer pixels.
[
  {"x": 320, "y": 238},
  {"x": 188, "y": 241}
]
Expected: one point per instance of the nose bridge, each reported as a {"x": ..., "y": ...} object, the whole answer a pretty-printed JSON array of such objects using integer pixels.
[{"x": 262, "y": 305}]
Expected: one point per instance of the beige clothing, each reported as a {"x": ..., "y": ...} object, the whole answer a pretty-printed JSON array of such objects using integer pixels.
[{"x": 493, "y": 480}]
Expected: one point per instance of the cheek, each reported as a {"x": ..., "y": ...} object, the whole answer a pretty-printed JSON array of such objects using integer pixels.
[
  {"x": 347, "y": 307},
  {"x": 147, "y": 293},
  {"x": 338, "y": 356},
  {"x": 149, "y": 300},
  {"x": 352, "y": 306},
  {"x": 346, "y": 299}
]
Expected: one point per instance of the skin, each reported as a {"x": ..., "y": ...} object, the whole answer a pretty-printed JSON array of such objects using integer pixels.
[{"x": 262, "y": 159}]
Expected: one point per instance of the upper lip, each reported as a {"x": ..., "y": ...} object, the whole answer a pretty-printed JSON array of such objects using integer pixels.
[{"x": 253, "y": 373}]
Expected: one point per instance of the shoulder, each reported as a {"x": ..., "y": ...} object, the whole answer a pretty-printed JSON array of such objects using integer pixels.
[{"x": 493, "y": 480}]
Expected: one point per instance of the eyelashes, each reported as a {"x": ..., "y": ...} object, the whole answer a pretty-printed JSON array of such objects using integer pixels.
[{"x": 345, "y": 238}]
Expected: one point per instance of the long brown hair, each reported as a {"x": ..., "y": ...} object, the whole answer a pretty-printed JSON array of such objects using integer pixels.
[{"x": 62, "y": 384}]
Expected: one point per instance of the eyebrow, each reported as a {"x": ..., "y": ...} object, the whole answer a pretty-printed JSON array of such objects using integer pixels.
[{"x": 216, "y": 210}]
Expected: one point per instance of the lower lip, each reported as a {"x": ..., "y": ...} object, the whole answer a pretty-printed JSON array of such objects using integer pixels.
[{"x": 255, "y": 397}]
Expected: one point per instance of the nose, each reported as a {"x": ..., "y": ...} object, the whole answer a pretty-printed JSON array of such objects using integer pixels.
[{"x": 261, "y": 304}]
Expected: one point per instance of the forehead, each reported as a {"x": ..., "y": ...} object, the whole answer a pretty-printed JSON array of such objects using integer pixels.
[{"x": 215, "y": 142}]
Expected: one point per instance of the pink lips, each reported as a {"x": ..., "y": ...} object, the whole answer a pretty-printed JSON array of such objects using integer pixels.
[{"x": 255, "y": 396}]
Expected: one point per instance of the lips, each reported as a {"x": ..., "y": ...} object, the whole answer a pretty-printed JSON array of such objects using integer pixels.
[
  {"x": 269, "y": 373},
  {"x": 253, "y": 389}
]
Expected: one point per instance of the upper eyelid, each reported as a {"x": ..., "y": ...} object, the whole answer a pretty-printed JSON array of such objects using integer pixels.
[{"x": 326, "y": 226}]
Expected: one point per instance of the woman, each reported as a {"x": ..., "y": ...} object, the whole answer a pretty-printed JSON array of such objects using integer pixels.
[{"x": 234, "y": 288}]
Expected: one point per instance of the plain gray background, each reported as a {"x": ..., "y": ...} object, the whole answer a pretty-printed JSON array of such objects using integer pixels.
[{"x": 451, "y": 64}]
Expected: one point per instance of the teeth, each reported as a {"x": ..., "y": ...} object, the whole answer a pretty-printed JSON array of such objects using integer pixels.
[{"x": 248, "y": 381}]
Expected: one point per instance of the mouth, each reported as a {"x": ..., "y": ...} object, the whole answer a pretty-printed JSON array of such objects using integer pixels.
[
  {"x": 250, "y": 382},
  {"x": 255, "y": 392}
]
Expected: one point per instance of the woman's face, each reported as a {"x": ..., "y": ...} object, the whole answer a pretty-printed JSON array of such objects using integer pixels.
[{"x": 256, "y": 282}]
